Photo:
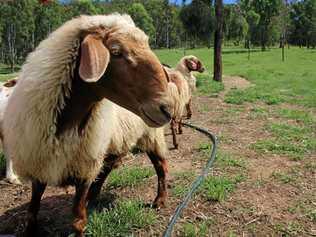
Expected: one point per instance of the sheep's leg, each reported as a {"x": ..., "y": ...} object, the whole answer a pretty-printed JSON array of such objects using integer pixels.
[
  {"x": 110, "y": 162},
  {"x": 10, "y": 175},
  {"x": 79, "y": 208},
  {"x": 188, "y": 108},
  {"x": 161, "y": 168},
  {"x": 38, "y": 189},
  {"x": 173, "y": 126},
  {"x": 180, "y": 126}
]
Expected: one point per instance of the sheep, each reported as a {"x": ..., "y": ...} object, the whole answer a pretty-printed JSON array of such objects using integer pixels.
[
  {"x": 180, "y": 93},
  {"x": 181, "y": 86},
  {"x": 132, "y": 132},
  {"x": 6, "y": 90},
  {"x": 58, "y": 121}
]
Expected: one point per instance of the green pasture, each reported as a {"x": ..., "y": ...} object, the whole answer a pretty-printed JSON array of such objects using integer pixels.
[{"x": 290, "y": 85}]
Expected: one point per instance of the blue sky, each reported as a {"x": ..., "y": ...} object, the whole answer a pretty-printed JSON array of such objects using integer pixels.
[{"x": 225, "y": 1}]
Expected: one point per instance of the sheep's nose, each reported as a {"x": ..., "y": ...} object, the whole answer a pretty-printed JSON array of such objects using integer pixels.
[
  {"x": 166, "y": 110},
  {"x": 202, "y": 69}
]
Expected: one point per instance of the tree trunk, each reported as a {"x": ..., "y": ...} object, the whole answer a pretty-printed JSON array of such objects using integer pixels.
[
  {"x": 218, "y": 67},
  {"x": 263, "y": 44},
  {"x": 11, "y": 36},
  {"x": 167, "y": 34}
]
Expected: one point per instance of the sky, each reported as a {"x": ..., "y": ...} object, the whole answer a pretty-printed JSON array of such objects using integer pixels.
[{"x": 225, "y": 1}]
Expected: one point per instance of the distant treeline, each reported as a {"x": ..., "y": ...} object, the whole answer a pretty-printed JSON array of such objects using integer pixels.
[{"x": 24, "y": 23}]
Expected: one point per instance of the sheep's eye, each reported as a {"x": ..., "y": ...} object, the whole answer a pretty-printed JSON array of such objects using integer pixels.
[{"x": 116, "y": 51}]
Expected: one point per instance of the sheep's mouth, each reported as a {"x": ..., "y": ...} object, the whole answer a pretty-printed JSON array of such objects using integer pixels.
[
  {"x": 151, "y": 120},
  {"x": 201, "y": 70}
]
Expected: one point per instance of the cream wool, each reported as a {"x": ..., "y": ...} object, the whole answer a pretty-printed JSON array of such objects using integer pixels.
[
  {"x": 179, "y": 92},
  {"x": 5, "y": 93},
  {"x": 31, "y": 115},
  {"x": 130, "y": 131}
]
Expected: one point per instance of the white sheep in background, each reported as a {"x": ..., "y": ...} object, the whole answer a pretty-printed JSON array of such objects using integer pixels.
[
  {"x": 57, "y": 125},
  {"x": 6, "y": 90},
  {"x": 181, "y": 86}
]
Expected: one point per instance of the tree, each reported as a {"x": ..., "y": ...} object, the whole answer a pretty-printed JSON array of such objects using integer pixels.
[
  {"x": 18, "y": 25},
  {"x": 142, "y": 19},
  {"x": 252, "y": 19},
  {"x": 238, "y": 27},
  {"x": 267, "y": 10},
  {"x": 47, "y": 18},
  {"x": 197, "y": 19},
  {"x": 303, "y": 21},
  {"x": 218, "y": 41}
]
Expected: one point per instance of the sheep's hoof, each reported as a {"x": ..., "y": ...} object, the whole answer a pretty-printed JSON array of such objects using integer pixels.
[
  {"x": 180, "y": 132},
  {"x": 13, "y": 180},
  {"x": 176, "y": 146},
  {"x": 79, "y": 225},
  {"x": 189, "y": 116},
  {"x": 159, "y": 203},
  {"x": 31, "y": 229}
]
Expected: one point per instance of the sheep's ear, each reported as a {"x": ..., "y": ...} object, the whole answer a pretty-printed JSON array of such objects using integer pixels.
[
  {"x": 10, "y": 83},
  {"x": 94, "y": 59}
]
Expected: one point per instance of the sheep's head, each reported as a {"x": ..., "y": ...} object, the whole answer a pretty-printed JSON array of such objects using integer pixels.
[
  {"x": 121, "y": 65},
  {"x": 193, "y": 63},
  {"x": 7, "y": 88}
]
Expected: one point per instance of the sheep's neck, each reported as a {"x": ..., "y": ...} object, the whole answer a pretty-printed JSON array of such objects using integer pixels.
[
  {"x": 183, "y": 70},
  {"x": 78, "y": 108}
]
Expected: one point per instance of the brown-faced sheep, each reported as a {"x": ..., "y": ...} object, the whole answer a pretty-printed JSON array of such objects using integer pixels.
[{"x": 58, "y": 124}]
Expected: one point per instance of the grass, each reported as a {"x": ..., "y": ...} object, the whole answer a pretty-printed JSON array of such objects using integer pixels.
[
  {"x": 292, "y": 81},
  {"x": 273, "y": 83},
  {"x": 291, "y": 140},
  {"x": 290, "y": 229},
  {"x": 297, "y": 115},
  {"x": 258, "y": 113},
  {"x": 207, "y": 86},
  {"x": 120, "y": 220},
  {"x": 214, "y": 188},
  {"x": 235, "y": 111},
  {"x": 304, "y": 208},
  {"x": 6, "y": 74},
  {"x": 196, "y": 229},
  {"x": 223, "y": 159},
  {"x": 181, "y": 183},
  {"x": 285, "y": 177},
  {"x": 217, "y": 188},
  {"x": 129, "y": 177},
  {"x": 226, "y": 160}
]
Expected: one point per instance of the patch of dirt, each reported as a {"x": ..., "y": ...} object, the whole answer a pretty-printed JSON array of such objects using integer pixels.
[
  {"x": 258, "y": 207},
  {"x": 234, "y": 82}
]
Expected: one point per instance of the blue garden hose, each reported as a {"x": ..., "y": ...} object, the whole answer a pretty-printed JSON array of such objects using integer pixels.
[{"x": 198, "y": 180}]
